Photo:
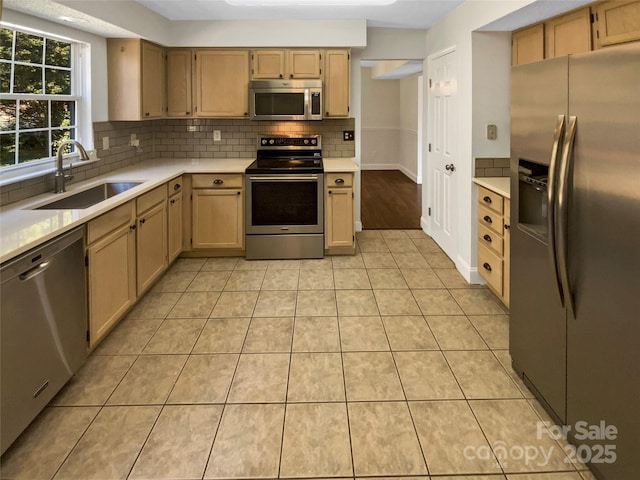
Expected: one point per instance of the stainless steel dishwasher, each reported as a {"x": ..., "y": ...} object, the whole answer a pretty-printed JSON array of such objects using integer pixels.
[{"x": 43, "y": 328}]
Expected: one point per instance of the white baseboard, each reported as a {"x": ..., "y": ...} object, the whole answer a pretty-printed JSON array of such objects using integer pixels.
[
  {"x": 358, "y": 226},
  {"x": 392, "y": 166},
  {"x": 470, "y": 274}
]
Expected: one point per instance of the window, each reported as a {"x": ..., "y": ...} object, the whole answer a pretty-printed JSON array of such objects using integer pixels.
[{"x": 39, "y": 97}]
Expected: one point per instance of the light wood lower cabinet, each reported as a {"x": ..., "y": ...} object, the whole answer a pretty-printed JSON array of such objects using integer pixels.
[
  {"x": 151, "y": 240},
  {"x": 494, "y": 241},
  {"x": 217, "y": 211},
  {"x": 174, "y": 218},
  {"x": 339, "y": 226},
  {"x": 111, "y": 269}
]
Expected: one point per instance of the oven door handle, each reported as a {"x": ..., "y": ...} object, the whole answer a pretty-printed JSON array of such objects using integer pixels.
[{"x": 286, "y": 178}]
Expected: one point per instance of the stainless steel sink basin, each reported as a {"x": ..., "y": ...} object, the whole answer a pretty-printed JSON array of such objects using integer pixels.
[{"x": 89, "y": 197}]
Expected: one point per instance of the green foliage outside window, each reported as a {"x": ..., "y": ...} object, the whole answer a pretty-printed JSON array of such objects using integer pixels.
[{"x": 35, "y": 77}]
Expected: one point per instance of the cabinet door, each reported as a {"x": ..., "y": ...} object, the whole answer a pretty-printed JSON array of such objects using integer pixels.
[
  {"x": 267, "y": 64},
  {"x": 179, "y": 99},
  {"x": 336, "y": 75},
  {"x": 151, "y": 248},
  {"x": 304, "y": 64},
  {"x": 218, "y": 218},
  {"x": 153, "y": 74},
  {"x": 506, "y": 256},
  {"x": 339, "y": 217},
  {"x": 174, "y": 218},
  {"x": 222, "y": 83},
  {"x": 111, "y": 280},
  {"x": 568, "y": 34},
  {"x": 527, "y": 45},
  {"x": 618, "y": 22}
]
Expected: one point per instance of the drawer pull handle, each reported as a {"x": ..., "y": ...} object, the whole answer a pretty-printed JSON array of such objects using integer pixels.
[
  {"x": 487, "y": 238},
  {"x": 172, "y": 202},
  {"x": 507, "y": 227},
  {"x": 339, "y": 181},
  {"x": 217, "y": 181},
  {"x": 176, "y": 186},
  {"x": 486, "y": 266},
  {"x": 487, "y": 219},
  {"x": 487, "y": 199}
]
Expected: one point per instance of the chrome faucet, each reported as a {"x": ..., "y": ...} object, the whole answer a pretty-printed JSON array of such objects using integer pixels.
[{"x": 60, "y": 177}]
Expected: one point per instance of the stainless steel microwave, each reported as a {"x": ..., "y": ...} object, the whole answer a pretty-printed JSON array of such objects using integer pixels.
[{"x": 285, "y": 100}]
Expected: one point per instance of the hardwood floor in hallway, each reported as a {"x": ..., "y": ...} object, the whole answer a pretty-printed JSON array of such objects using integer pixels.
[{"x": 389, "y": 199}]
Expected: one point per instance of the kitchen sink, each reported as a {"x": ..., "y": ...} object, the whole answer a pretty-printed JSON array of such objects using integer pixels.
[{"x": 89, "y": 197}]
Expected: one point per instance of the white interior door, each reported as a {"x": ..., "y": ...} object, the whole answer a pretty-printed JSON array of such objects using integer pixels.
[{"x": 443, "y": 149}]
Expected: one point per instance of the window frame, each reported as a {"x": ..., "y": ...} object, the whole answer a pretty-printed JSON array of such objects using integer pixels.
[{"x": 80, "y": 94}]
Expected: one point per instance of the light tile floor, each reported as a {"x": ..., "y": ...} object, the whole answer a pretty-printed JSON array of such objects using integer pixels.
[{"x": 386, "y": 363}]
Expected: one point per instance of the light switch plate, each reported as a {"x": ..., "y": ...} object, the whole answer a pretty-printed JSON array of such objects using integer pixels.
[{"x": 105, "y": 143}]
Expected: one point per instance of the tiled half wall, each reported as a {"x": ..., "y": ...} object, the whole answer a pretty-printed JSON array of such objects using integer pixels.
[{"x": 188, "y": 138}]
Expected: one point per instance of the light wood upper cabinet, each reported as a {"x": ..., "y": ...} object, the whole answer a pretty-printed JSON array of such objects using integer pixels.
[
  {"x": 336, "y": 83},
  {"x": 222, "y": 83},
  {"x": 266, "y": 64},
  {"x": 136, "y": 77},
  {"x": 179, "y": 98},
  {"x": 304, "y": 64},
  {"x": 568, "y": 34},
  {"x": 617, "y": 22},
  {"x": 527, "y": 45},
  {"x": 286, "y": 63}
]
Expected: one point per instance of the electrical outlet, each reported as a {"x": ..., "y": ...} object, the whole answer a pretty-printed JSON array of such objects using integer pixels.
[
  {"x": 192, "y": 128},
  {"x": 105, "y": 143},
  {"x": 217, "y": 136},
  {"x": 348, "y": 135}
]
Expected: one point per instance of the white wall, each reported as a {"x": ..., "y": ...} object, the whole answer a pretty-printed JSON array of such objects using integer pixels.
[
  {"x": 408, "y": 107},
  {"x": 455, "y": 30}
]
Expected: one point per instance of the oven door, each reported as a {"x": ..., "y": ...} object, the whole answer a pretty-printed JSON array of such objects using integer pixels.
[{"x": 284, "y": 204}]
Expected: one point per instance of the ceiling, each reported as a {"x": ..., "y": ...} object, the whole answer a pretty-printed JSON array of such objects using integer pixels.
[{"x": 417, "y": 14}]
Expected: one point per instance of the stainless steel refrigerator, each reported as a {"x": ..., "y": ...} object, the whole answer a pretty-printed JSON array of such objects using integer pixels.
[{"x": 575, "y": 254}]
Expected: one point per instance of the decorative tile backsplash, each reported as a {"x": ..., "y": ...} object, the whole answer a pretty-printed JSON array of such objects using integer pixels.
[
  {"x": 492, "y": 167},
  {"x": 183, "y": 138}
]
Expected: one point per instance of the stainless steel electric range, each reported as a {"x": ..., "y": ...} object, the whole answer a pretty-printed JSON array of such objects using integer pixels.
[{"x": 284, "y": 210}]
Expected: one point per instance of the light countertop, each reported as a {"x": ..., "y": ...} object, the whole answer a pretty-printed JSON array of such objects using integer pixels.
[
  {"x": 22, "y": 228},
  {"x": 499, "y": 185}
]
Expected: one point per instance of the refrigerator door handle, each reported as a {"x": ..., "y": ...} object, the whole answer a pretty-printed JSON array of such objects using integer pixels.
[
  {"x": 562, "y": 212},
  {"x": 551, "y": 202}
]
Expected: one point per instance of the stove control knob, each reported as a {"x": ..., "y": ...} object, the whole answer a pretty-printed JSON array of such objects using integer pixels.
[
  {"x": 313, "y": 141},
  {"x": 306, "y": 141},
  {"x": 272, "y": 141},
  {"x": 264, "y": 141}
]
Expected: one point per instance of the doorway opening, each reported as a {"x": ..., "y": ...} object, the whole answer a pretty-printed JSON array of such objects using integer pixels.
[{"x": 391, "y": 129}]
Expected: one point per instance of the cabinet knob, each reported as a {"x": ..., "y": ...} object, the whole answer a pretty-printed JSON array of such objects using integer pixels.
[
  {"x": 487, "y": 238},
  {"x": 142, "y": 220},
  {"x": 246, "y": 113},
  {"x": 281, "y": 76},
  {"x": 507, "y": 227},
  {"x": 487, "y": 199},
  {"x": 188, "y": 113},
  {"x": 487, "y": 219},
  {"x": 146, "y": 114},
  {"x": 172, "y": 202},
  {"x": 486, "y": 266},
  {"x": 329, "y": 192},
  {"x": 176, "y": 186},
  {"x": 238, "y": 193},
  {"x": 326, "y": 114},
  {"x": 218, "y": 181},
  {"x": 132, "y": 227},
  {"x": 291, "y": 75},
  {"x": 339, "y": 181}
]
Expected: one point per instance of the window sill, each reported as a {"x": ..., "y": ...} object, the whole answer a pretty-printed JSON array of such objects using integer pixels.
[{"x": 41, "y": 169}]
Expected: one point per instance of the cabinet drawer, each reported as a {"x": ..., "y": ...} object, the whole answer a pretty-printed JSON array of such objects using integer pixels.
[
  {"x": 490, "y": 239},
  {"x": 150, "y": 199},
  {"x": 339, "y": 179},
  {"x": 174, "y": 186},
  {"x": 109, "y": 221},
  {"x": 490, "y": 199},
  {"x": 490, "y": 267},
  {"x": 491, "y": 220},
  {"x": 223, "y": 180}
]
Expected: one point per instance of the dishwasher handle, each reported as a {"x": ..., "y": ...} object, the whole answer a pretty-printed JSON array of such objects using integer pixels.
[{"x": 33, "y": 272}]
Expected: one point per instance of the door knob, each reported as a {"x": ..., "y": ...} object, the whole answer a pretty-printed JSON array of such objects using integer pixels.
[{"x": 450, "y": 167}]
